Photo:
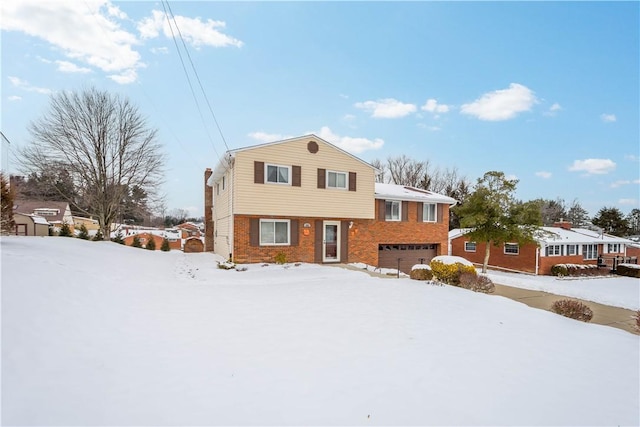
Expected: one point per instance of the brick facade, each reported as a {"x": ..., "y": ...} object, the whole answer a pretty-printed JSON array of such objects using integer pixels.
[{"x": 363, "y": 237}]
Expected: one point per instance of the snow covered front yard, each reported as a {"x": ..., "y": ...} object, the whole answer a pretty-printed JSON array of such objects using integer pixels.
[{"x": 95, "y": 333}]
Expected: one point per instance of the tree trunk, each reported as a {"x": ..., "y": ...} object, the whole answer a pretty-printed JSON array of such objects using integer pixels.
[{"x": 487, "y": 252}]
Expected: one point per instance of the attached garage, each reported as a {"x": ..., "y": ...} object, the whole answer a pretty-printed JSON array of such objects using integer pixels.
[{"x": 408, "y": 255}]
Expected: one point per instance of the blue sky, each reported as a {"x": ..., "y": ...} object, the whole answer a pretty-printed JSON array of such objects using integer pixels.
[{"x": 547, "y": 92}]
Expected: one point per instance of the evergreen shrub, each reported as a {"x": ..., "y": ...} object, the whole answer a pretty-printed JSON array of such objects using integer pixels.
[
  {"x": 118, "y": 238},
  {"x": 98, "y": 236},
  {"x": 84, "y": 233},
  {"x": 151, "y": 243},
  {"x": 65, "y": 230},
  {"x": 280, "y": 258},
  {"x": 572, "y": 309},
  {"x": 165, "y": 247},
  {"x": 450, "y": 273},
  {"x": 136, "y": 243}
]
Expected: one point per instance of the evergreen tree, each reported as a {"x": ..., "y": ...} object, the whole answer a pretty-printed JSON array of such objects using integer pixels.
[
  {"x": 118, "y": 238},
  {"x": 151, "y": 243},
  {"x": 136, "y": 242},
  {"x": 65, "y": 230},
  {"x": 165, "y": 245},
  {"x": 612, "y": 221},
  {"x": 6, "y": 198},
  {"x": 495, "y": 217},
  {"x": 98, "y": 236},
  {"x": 84, "y": 233},
  {"x": 577, "y": 215},
  {"x": 633, "y": 220}
]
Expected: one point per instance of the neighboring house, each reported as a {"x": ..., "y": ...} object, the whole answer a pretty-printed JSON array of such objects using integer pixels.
[
  {"x": 56, "y": 213},
  {"x": 310, "y": 201},
  {"x": 30, "y": 225},
  {"x": 90, "y": 223},
  {"x": 559, "y": 244},
  {"x": 144, "y": 239}
]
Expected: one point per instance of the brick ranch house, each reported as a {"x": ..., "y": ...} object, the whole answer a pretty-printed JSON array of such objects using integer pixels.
[
  {"x": 310, "y": 201},
  {"x": 560, "y": 244}
]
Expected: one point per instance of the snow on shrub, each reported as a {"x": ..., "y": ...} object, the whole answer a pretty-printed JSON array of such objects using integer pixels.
[
  {"x": 636, "y": 317},
  {"x": 573, "y": 270},
  {"x": 477, "y": 283},
  {"x": 630, "y": 270},
  {"x": 448, "y": 269},
  {"x": 421, "y": 272},
  {"x": 572, "y": 309}
]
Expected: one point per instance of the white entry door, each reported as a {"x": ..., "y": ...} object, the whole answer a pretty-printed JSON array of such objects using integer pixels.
[{"x": 331, "y": 241}]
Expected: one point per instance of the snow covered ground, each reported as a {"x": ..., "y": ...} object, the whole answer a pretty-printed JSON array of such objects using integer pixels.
[
  {"x": 618, "y": 291},
  {"x": 95, "y": 333}
]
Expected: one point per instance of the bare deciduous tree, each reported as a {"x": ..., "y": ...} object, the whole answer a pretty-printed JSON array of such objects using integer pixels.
[{"x": 105, "y": 145}]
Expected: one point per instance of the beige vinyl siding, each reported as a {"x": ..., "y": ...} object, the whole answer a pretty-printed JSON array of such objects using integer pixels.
[
  {"x": 307, "y": 200},
  {"x": 222, "y": 238}
]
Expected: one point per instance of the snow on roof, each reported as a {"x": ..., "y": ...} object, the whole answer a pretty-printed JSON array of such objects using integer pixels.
[
  {"x": 404, "y": 193},
  {"x": 557, "y": 235}
]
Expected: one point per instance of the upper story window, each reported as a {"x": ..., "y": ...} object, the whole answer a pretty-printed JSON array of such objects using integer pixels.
[
  {"x": 46, "y": 212},
  {"x": 277, "y": 174},
  {"x": 336, "y": 180},
  {"x": 511, "y": 248},
  {"x": 429, "y": 212},
  {"x": 392, "y": 210},
  {"x": 469, "y": 246}
]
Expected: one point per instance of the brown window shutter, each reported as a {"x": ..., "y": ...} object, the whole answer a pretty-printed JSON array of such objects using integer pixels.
[
  {"x": 317, "y": 256},
  {"x": 440, "y": 212},
  {"x": 296, "y": 172},
  {"x": 254, "y": 232},
  {"x": 344, "y": 241},
  {"x": 321, "y": 178},
  {"x": 258, "y": 172},
  {"x": 352, "y": 181},
  {"x": 381, "y": 209},
  {"x": 420, "y": 211},
  {"x": 295, "y": 236},
  {"x": 405, "y": 211}
]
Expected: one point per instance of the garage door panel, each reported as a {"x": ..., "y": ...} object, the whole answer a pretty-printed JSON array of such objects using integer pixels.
[{"x": 407, "y": 255}]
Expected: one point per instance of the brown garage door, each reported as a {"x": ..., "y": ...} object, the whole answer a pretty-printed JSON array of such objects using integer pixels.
[{"x": 408, "y": 254}]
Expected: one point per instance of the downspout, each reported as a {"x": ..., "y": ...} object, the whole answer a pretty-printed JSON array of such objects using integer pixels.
[
  {"x": 537, "y": 259},
  {"x": 232, "y": 217}
]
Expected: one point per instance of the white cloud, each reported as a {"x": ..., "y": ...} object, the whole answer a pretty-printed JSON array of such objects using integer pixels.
[
  {"x": 544, "y": 174},
  {"x": 593, "y": 166},
  {"x": 24, "y": 85},
  {"x": 631, "y": 202},
  {"x": 553, "y": 109},
  {"x": 160, "y": 50},
  {"x": 620, "y": 183},
  {"x": 14, "y": 98},
  {"x": 387, "y": 108},
  {"x": 347, "y": 143},
  {"x": 608, "y": 118},
  {"x": 631, "y": 157},
  {"x": 84, "y": 32},
  {"x": 194, "y": 30},
  {"x": 267, "y": 137},
  {"x": 432, "y": 106},
  {"x": 343, "y": 96},
  {"x": 501, "y": 104},
  {"x": 126, "y": 77},
  {"x": 69, "y": 67}
]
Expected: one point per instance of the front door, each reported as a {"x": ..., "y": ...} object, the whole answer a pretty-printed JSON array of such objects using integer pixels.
[{"x": 331, "y": 241}]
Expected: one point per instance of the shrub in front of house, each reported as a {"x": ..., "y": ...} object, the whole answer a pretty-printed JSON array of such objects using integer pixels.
[
  {"x": 118, "y": 238},
  {"x": 165, "y": 247},
  {"x": 84, "y": 233},
  {"x": 65, "y": 231},
  {"x": 136, "y": 243},
  {"x": 421, "y": 272},
  {"x": 572, "y": 309},
  {"x": 280, "y": 258},
  {"x": 151, "y": 244},
  {"x": 559, "y": 270},
  {"x": 577, "y": 270},
  {"x": 630, "y": 270},
  {"x": 98, "y": 236},
  {"x": 477, "y": 282},
  {"x": 450, "y": 273}
]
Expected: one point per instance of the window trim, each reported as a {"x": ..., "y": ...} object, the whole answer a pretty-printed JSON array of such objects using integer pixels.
[
  {"x": 391, "y": 219},
  {"x": 466, "y": 246},
  {"x": 435, "y": 212},
  {"x": 266, "y": 174},
  {"x": 554, "y": 250},
  {"x": 274, "y": 221},
  {"x": 511, "y": 244},
  {"x": 616, "y": 246},
  {"x": 346, "y": 179},
  {"x": 575, "y": 249},
  {"x": 586, "y": 252}
]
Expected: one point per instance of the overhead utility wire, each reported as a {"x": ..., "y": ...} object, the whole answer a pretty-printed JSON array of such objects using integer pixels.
[{"x": 195, "y": 98}]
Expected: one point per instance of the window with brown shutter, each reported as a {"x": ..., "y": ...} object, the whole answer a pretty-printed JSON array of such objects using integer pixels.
[
  {"x": 294, "y": 232},
  {"x": 381, "y": 209},
  {"x": 258, "y": 172},
  {"x": 420, "y": 211},
  {"x": 440, "y": 209},
  {"x": 321, "y": 178},
  {"x": 405, "y": 211},
  {"x": 254, "y": 232}
]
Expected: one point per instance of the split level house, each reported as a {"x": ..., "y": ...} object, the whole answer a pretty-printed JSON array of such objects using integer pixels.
[
  {"x": 306, "y": 200},
  {"x": 560, "y": 244}
]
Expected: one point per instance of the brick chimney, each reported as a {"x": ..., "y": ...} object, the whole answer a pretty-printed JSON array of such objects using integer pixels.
[
  {"x": 208, "y": 214},
  {"x": 563, "y": 224}
]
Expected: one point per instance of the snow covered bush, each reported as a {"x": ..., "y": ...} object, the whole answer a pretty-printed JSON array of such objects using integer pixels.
[
  {"x": 118, "y": 238},
  {"x": 476, "y": 282},
  {"x": 573, "y": 309},
  {"x": 226, "y": 265},
  {"x": 576, "y": 270},
  {"x": 449, "y": 270},
  {"x": 560, "y": 270},
  {"x": 630, "y": 270},
  {"x": 636, "y": 317},
  {"x": 421, "y": 272}
]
